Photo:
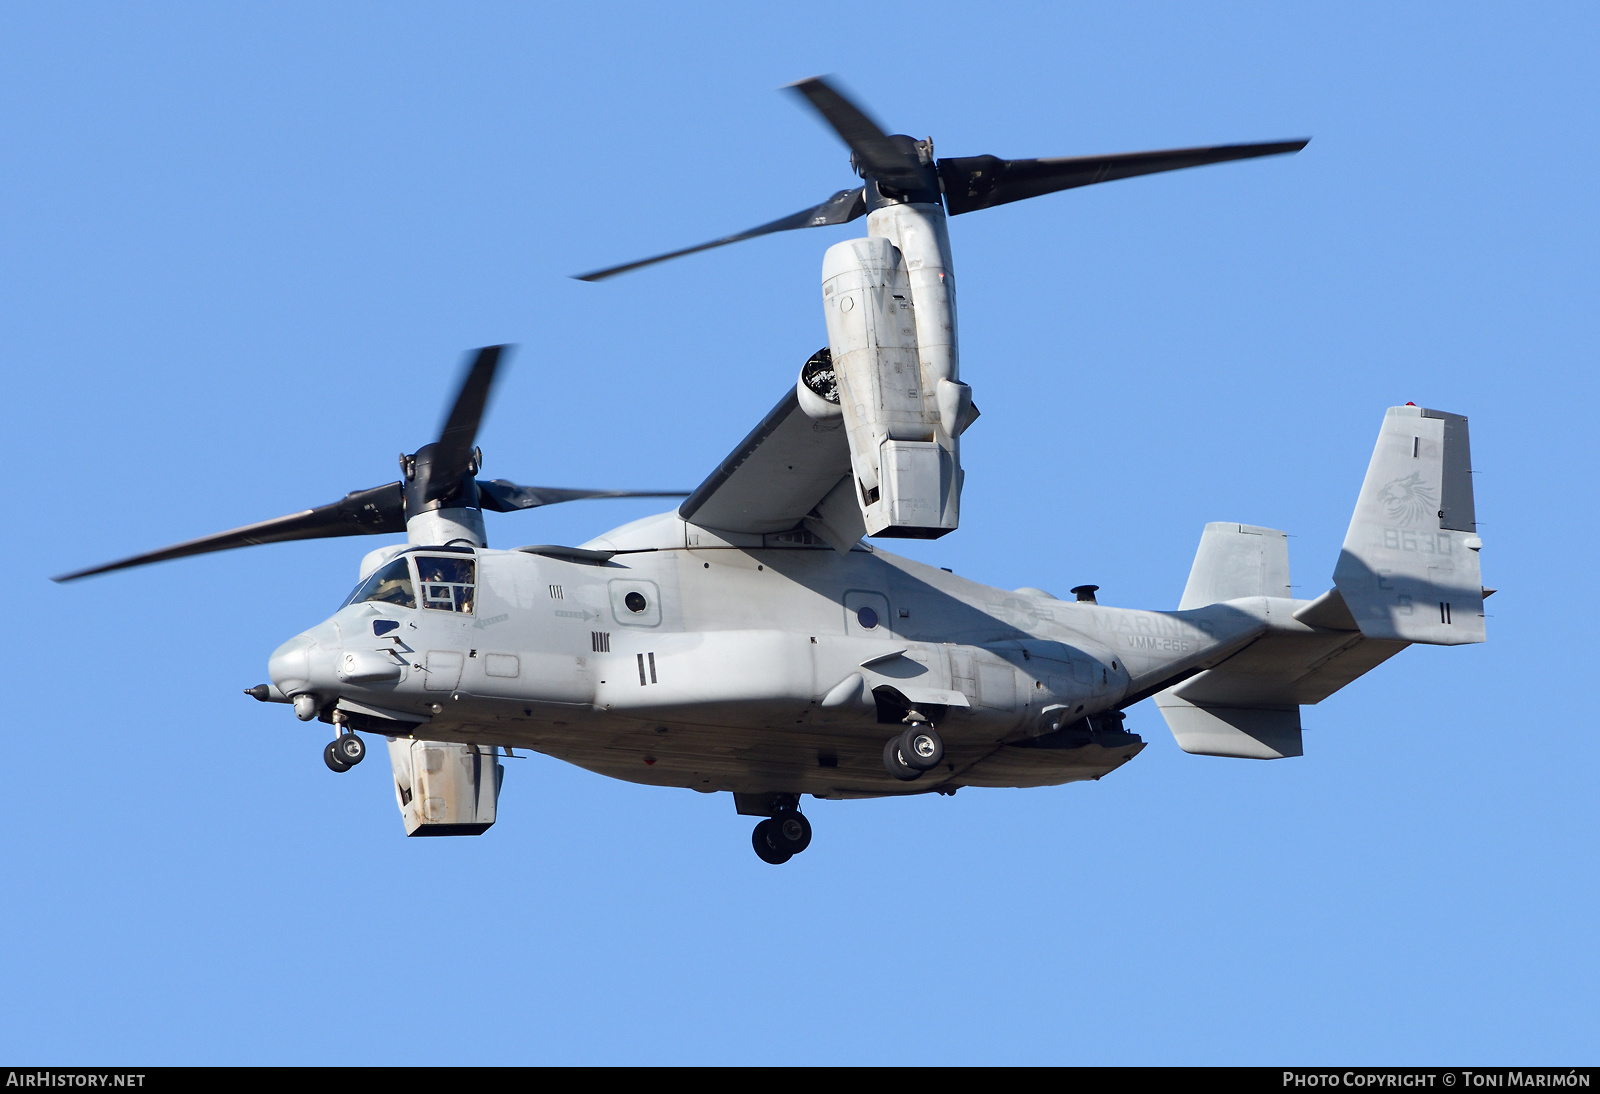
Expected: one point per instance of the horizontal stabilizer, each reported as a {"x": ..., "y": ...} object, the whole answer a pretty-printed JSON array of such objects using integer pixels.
[
  {"x": 1243, "y": 732},
  {"x": 1248, "y": 705},
  {"x": 1328, "y": 611},
  {"x": 1409, "y": 567},
  {"x": 1288, "y": 668}
]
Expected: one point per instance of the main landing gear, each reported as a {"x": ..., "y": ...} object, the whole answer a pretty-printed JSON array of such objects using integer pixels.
[
  {"x": 782, "y": 836},
  {"x": 917, "y": 749},
  {"x": 345, "y": 750}
]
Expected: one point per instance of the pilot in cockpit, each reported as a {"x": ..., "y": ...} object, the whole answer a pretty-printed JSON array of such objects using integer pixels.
[{"x": 390, "y": 584}]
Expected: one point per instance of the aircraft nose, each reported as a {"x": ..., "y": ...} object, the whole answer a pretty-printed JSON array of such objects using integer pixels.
[{"x": 289, "y": 667}]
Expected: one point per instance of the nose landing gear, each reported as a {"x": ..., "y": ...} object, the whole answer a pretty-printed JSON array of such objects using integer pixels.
[
  {"x": 344, "y": 751},
  {"x": 330, "y": 756},
  {"x": 781, "y": 836}
]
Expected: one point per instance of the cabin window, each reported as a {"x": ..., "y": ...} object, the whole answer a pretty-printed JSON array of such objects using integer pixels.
[
  {"x": 448, "y": 584},
  {"x": 389, "y": 584}
]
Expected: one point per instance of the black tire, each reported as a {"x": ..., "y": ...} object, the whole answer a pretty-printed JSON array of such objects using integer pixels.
[
  {"x": 921, "y": 747},
  {"x": 766, "y": 844},
  {"x": 791, "y": 832},
  {"x": 331, "y": 758},
  {"x": 895, "y": 762},
  {"x": 350, "y": 748}
]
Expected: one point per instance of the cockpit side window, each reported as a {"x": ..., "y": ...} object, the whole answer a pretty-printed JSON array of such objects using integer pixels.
[
  {"x": 448, "y": 584},
  {"x": 390, "y": 584}
]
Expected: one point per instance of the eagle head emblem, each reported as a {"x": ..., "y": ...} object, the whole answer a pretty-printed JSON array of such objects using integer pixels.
[{"x": 1408, "y": 500}]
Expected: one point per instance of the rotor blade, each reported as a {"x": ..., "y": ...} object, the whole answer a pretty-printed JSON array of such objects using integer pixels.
[
  {"x": 360, "y": 513},
  {"x": 460, "y": 431},
  {"x": 507, "y": 497},
  {"x": 842, "y": 208},
  {"x": 982, "y": 182},
  {"x": 874, "y": 151}
]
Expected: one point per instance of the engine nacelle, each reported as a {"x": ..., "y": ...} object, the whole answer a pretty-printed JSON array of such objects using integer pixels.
[
  {"x": 445, "y": 789},
  {"x": 891, "y": 332}
]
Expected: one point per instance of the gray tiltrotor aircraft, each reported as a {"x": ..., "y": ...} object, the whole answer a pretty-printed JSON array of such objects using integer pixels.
[{"x": 752, "y": 641}]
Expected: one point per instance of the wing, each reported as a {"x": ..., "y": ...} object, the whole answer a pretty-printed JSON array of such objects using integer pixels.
[{"x": 776, "y": 476}]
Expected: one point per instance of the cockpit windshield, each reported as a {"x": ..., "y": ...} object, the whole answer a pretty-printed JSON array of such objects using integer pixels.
[
  {"x": 447, "y": 583},
  {"x": 389, "y": 585}
]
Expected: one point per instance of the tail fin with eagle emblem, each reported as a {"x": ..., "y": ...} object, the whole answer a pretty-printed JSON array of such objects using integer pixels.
[
  {"x": 1409, "y": 567},
  {"x": 1408, "y": 573}
]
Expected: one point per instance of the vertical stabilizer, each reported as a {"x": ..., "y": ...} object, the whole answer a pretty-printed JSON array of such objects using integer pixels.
[
  {"x": 1234, "y": 561},
  {"x": 1248, "y": 733},
  {"x": 1237, "y": 560},
  {"x": 1409, "y": 567}
]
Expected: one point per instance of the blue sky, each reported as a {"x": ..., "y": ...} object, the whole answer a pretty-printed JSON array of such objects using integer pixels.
[{"x": 244, "y": 247}]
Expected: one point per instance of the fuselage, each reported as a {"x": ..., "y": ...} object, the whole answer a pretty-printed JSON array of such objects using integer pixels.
[{"x": 671, "y": 655}]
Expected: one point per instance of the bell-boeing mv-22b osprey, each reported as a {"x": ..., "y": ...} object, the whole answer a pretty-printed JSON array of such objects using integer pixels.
[{"x": 753, "y": 641}]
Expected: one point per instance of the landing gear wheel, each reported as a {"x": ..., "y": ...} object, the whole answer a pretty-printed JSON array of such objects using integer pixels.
[
  {"x": 790, "y": 832},
  {"x": 330, "y": 756},
  {"x": 765, "y": 841},
  {"x": 921, "y": 747},
  {"x": 894, "y": 759},
  {"x": 350, "y": 748}
]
